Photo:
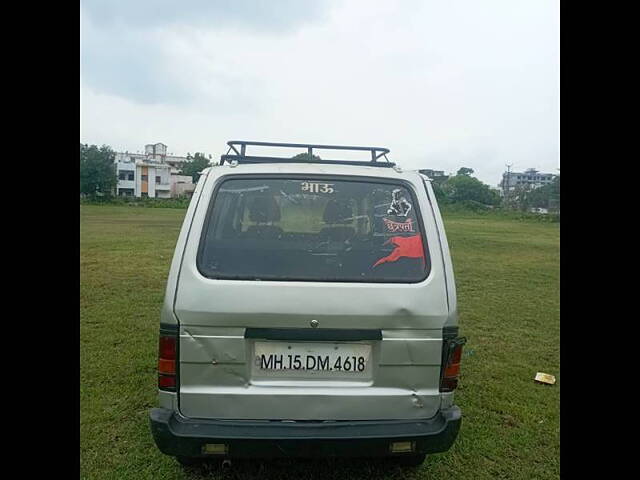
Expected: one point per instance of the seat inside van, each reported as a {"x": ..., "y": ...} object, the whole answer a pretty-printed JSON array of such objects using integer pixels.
[
  {"x": 264, "y": 210},
  {"x": 337, "y": 214}
]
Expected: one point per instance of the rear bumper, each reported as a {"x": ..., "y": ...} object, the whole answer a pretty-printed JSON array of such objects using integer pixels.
[{"x": 179, "y": 436}]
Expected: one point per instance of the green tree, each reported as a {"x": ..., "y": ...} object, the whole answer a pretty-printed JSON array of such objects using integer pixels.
[
  {"x": 97, "y": 170},
  {"x": 440, "y": 194},
  {"x": 465, "y": 171},
  {"x": 465, "y": 188},
  {"x": 554, "y": 196},
  {"x": 547, "y": 196},
  {"x": 304, "y": 157},
  {"x": 522, "y": 197},
  {"x": 538, "y": 197},
  {"x": 194, "y": 165}
]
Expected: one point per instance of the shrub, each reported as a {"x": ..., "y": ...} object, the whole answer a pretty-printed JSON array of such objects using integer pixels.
[{"x": 180, "y": 202}]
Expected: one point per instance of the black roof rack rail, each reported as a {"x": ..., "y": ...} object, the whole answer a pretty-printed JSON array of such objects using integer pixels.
[{"x": 240, "y": 156}]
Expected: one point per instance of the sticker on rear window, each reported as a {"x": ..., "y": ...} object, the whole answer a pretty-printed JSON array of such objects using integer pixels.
[
  {"x": 408, "y": 247},
  {"x": 314, "y": 187},
  {"x": 400, "y": 206},
  {"x": 395, "y": 227}
]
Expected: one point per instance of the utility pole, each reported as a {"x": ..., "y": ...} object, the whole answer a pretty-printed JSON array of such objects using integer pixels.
[{"x": 506, "y": 188}]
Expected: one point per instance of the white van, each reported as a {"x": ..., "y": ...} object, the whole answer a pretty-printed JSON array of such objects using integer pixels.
[{"x": 310, "y": 310}]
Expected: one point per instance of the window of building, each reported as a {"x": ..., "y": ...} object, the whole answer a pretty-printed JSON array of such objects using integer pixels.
[
  {"x": 158, "y": 180},
  {"x": 130, "y": 176},
  {"x": 144, "y": 178}
]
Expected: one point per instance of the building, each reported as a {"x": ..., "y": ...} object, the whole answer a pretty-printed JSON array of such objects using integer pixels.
[
  {"x": 437, "y": 176},
  {"x": 152, "y": 174},
  {"x": 181, "y": 185},
  {"x": 530, "y": 178}
]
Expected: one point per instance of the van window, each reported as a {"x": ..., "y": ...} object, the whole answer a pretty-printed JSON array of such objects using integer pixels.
[{"x": 313, "y": 230}]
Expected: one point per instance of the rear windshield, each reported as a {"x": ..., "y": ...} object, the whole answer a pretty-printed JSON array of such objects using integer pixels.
[{"x": 313, "y": 230}]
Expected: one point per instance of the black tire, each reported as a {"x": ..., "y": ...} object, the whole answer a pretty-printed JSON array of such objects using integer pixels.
[
  {"x": 411, "y": 460},
  {"x": 189, "y": 461}
]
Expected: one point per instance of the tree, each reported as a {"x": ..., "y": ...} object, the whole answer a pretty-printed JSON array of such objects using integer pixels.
[
  {"x": 523, "y": 197},
  {"x": 554, "y": 196},
  {"x": 465, "y": 171},
  {"x": 97, "y": 170},
  {"x": 194, "y": 165},
  {"x": 304, "y": 157},
  {"x": 440, "y": 194},
  {"x": 465, "y": 188},
  {"x": 547, "y": 196}
]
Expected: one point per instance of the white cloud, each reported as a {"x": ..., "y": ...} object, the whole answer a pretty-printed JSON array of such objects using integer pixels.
[{"x": 443, "y": 84}]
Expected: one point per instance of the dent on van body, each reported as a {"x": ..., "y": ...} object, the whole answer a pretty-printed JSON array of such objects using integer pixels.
[{"x": 216, "y": 362}]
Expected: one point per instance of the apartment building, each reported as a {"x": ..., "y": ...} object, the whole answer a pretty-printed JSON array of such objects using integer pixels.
[
  {"x": 152, "y": 174},
  {"x": 531, "y": 178}
]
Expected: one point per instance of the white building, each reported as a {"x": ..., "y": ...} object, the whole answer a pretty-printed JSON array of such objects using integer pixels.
[
  {"x": 181, "y": 185},
  {"x": 530, "y": 178},
  {"x": 152, "y": 174}
]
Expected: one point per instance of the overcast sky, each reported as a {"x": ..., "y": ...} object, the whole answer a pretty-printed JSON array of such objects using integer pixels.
[{"x": 443, "y": 84}]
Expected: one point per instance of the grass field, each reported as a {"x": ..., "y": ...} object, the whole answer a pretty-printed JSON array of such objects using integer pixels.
[{"x": 507, "y": 273}]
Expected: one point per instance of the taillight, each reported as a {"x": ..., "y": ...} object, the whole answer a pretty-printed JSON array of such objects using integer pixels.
[
  {"x": 452, "y": 354},
  {"x": 167, "y": 362},
  {"x": 167, "y": 382}
]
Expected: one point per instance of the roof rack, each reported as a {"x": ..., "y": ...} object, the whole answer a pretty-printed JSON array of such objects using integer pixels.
[{"x": 240, "y": 156}]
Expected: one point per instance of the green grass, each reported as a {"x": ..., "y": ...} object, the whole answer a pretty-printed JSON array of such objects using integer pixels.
[{"x": 507, "y": 273}]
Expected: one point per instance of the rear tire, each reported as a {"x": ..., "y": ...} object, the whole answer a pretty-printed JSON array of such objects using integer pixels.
[
  {"x": 189, "y": 461},
  {"x": 411, "y": 460}
]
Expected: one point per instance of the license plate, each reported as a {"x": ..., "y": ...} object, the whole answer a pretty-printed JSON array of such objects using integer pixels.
[{"x": 312, "y": 357}]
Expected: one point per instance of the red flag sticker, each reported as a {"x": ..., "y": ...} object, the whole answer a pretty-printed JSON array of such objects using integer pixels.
[
  {"x": 410, "y": 247},
  {"x": 406, "y": 226}
]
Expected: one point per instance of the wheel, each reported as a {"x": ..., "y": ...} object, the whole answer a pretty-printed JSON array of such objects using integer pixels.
[
  {"x": 189, "y": 461},
  {"x": 411, "y": 460}
]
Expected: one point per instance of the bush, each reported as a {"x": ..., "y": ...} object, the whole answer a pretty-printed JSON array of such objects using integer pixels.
[
  {"x": 180, "y": 202},
  {"x": 471, "y": 210},
  {"x": 463, "y": 189}
]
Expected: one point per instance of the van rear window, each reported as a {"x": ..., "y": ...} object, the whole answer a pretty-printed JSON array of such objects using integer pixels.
[{"x": 313, "y": 230}]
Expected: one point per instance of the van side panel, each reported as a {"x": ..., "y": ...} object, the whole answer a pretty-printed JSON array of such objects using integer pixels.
[
  {"x": 446, "y": 257},
  {"x": 167, "y": 316}
]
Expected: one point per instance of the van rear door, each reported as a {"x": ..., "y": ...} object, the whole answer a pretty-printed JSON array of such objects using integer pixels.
[{"x": 311, "y": 297}]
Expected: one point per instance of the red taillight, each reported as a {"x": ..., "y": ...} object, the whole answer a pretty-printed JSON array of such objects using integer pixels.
[
  {"x": 167, "y": 362},
  {"x": 166, "y": 367},
  {"x": 451, "y": 367},
  {"x": 167, "y": 382}
]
